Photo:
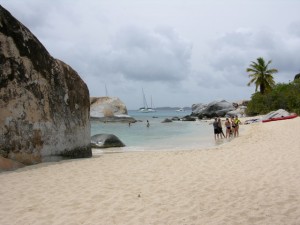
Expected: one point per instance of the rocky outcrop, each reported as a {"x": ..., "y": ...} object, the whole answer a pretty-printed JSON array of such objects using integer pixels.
[
  {"x": 197, "y": 108},
  {"x": 240, "y": 108},
  {"x": 240, "y": 112},
  {"x": 188, "y": 118},
  {"x": 109, "y": 109},
  {"x": 105, "y": 141},
  {"x": 213, "y": 109},
  {"x": 8, "y": 164},
  {"x": 44, "y": 104},
  {"x": 167, "y": 120}
]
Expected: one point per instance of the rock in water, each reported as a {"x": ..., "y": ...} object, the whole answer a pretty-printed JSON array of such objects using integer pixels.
[
  {"x": 44, "y": 104},
  {"x": 105, "y": 141},
  {"x": 107, "y": 106},
  {"x": 109, "y": 109},
  {"x": 167, "y": 120}
]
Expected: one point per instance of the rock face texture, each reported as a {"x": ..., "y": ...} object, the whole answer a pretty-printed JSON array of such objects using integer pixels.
[
  {"x": 213, "y": 109},
  {"x": 109, "y": 109},
  {"x": 240, "y": 112},
  {"x": 197, "y": 108},
  {"x": 107, "y": 106},
  {"x": 44, "y": 104}
]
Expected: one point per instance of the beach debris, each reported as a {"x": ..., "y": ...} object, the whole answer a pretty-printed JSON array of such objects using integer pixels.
[{"x": 252, "y": 121}]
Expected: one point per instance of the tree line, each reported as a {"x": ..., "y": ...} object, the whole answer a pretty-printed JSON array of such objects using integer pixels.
[{"x": 271, "y": 96}]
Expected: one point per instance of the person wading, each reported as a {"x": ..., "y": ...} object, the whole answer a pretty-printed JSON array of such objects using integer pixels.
[{"x": 216, "y": 128}]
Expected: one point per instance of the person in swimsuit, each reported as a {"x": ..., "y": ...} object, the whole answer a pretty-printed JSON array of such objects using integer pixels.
[
  {"x": 216, "y": 128},
  {"x": 232, "y": 126},
  {"x": 228, "y": 127},
  {"x": 237, "y": 122},
  {"x": 220, "y": 128}
]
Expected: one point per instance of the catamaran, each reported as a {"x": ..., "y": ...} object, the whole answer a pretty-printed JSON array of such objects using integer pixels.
[{"x": 146, "y": 109}]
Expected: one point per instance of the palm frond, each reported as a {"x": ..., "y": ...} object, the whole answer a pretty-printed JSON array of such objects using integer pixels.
[{"x": 260, "y": 75}]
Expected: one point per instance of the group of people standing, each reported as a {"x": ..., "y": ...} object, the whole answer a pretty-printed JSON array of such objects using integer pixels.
[{"x": 232, "y": 127}]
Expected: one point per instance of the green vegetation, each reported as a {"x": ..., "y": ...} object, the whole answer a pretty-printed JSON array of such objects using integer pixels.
[
  {"x": 282, "y": 96},
  {"x": 271, "y": 96},
  {"x": 261, "y": 75}
]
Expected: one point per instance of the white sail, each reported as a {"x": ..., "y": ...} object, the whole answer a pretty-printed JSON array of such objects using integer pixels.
[{"x": 145, "y": 107}]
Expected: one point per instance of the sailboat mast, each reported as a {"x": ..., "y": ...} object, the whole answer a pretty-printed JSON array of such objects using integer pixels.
[
  {"x": 144, "y": 100},
  {"x": 106, "y": 94}
]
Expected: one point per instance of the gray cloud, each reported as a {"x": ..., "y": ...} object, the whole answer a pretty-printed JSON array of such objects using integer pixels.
[
  {"x": 144, "y": 55},
  {"x": 294, "y": 28},
  {"x": 233, "y": 52},
  {"x": 134, "y": 53},
  {"x": 179, "y": 51}
]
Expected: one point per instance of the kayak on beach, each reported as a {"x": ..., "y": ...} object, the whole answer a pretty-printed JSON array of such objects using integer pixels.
[{"x": 292, "y": 116}]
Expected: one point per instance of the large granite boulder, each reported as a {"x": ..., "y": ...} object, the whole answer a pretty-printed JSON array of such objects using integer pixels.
[
  {"x": 240, "y": 112},
  {"x": 44, "y": 104},
  {"x": 197, "y": 108},
  {"x": 106, "y": 141},
  {"x": 109, "y": 109},
  {"x": 215, "y": 108}
]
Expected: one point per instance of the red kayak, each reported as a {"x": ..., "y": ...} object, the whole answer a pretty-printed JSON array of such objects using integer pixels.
[{"x": 292, "y": 116}]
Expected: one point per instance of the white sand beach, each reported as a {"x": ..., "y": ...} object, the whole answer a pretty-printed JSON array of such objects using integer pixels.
[{"x": 254, "y": 179}]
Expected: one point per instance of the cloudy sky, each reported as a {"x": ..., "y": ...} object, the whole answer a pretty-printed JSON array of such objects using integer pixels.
[{"x": 179, "y": 51}]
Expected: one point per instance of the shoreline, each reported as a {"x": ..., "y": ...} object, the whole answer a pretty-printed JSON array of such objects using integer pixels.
[
  {"x": 187, "y": 143},
  {"x": 253, "y": 179}
]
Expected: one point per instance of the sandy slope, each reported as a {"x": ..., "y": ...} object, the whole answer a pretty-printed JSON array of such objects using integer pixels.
[{"x": 254, "y": 179}]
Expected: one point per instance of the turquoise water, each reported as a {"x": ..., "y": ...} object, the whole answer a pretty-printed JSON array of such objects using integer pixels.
[{"x": 177, "y": 135}]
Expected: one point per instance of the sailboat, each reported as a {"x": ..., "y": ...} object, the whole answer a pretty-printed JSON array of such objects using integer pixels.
[
  {"x": 145, "y": 108},
  {"x": 180, "y": 110}
]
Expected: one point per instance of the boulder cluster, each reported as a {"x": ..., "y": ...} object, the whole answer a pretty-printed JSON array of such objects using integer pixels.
[{"x": 219, "y": 109}]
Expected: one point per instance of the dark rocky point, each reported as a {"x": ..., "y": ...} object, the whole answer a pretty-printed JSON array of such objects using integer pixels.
[
  {"x": 105, "y": 141},
  {"x": 44, "y": 104}
]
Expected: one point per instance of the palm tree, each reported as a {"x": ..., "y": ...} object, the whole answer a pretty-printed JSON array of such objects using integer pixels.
[{"x": 261, "y": 75}]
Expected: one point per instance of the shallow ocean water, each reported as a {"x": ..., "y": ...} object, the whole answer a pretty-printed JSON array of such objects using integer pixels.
[{"x": 177, "y": 135}]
